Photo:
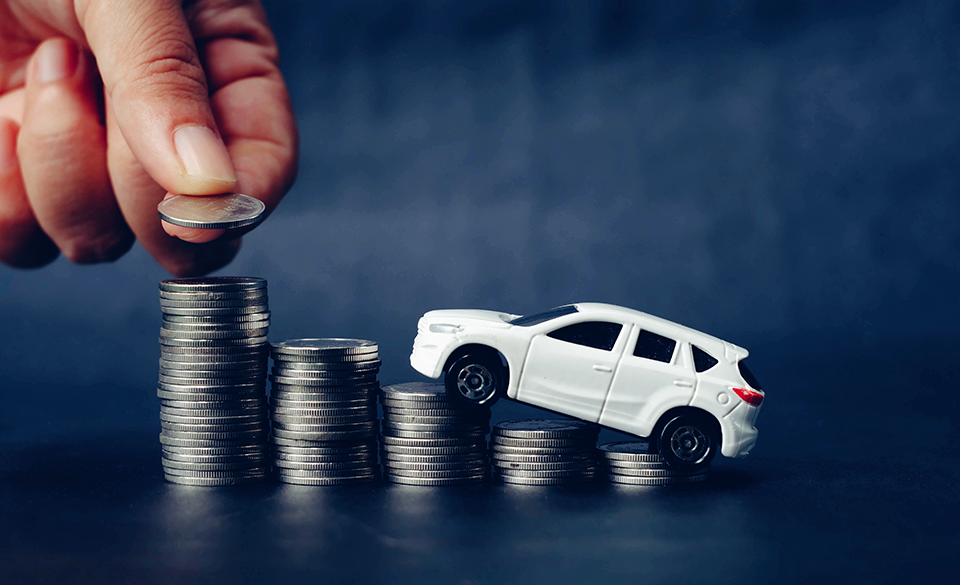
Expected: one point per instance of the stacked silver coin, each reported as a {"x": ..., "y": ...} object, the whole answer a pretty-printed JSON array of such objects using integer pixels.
[
  {"x": 323, "y": 406},
  {"x": 213, "y": 360},
  {"x": 545, "y": 451},
  {"x": 429, "y": 439},
  {"x": 631, "y": 463}
]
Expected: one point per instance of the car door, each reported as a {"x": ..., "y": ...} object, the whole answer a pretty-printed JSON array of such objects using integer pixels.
[
  {"x": 653, "y": 375},
  {"x": 569, "y": 369}
]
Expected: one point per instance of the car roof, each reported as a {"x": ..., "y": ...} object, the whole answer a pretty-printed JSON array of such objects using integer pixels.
[{"x": 692, "y": 335}]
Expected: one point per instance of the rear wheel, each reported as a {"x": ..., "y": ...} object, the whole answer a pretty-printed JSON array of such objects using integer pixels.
[
  {"x": 687, "y": 442},
  {"x": 476, "y": 379}
]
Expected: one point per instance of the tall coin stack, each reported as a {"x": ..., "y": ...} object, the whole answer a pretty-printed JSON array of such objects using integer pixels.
[
  {"x": 213, "y": 360},
  {"x": 545, "y": 451},
  {"x": 323, "y": 406},
  {"x": 430, "y": 439},
  {"x": 631, "y": 463}
]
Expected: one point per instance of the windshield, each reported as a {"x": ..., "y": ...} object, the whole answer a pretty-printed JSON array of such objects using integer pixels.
[{"x": 528, "y": 320}]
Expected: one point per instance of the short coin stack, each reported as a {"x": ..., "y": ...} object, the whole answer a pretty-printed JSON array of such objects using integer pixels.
[
  {"x": 631, "y": 463},
  {"x": 213, "y": 409},
  {"x": 429, "y": 439},
  {"x": 323, "y": 406},
  {"x": 545, "y": 451}
]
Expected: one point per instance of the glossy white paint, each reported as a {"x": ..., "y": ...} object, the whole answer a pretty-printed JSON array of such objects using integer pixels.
[{"x": 615, "y": 388}]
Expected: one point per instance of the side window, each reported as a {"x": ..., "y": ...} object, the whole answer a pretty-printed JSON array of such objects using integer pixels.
[
  {"x": 654, "y": 347},
  {"x": 597, "y": 334},
  {"x": 702, "y": 361}
]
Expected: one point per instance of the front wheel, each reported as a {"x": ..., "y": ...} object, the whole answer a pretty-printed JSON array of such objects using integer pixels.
[
  {"x": 687, "y": 442},
  {"x": 476, "y": 379}
]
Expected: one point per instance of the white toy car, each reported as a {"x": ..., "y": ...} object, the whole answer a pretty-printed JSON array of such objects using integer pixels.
[{"x": 689, "y": 392}]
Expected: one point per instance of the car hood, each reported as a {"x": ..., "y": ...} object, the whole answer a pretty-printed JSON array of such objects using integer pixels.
[{"x": 467, "y": 317}]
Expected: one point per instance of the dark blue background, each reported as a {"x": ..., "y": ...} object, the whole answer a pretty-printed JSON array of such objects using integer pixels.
[{"x": 781, "y": 174}]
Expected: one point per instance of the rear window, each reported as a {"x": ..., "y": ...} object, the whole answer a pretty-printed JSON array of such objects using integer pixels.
[
  {"x": 748, "y": 376},
  {"x": 702, "y": 361},
  {"x": 534, "y": 319}
]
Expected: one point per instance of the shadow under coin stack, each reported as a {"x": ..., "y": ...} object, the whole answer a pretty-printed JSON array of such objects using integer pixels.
[
  {"x": 323, "y": 406},
  {"x": 545, "y": 451},
  {"x": 429, "y": 439},
  {"x": 213, "y": 361},
  {"x": 631, "y": 463}
]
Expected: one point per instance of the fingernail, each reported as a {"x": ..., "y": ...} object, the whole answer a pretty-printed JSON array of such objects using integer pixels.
[
  {"x": 203, "y": 154},
  {"x": 56, "y": 59}
]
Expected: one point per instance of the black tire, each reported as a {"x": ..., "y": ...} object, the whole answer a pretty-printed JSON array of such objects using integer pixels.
[
  {"x": 687, "y": 442},
  {"x": 477, "y": 379}
]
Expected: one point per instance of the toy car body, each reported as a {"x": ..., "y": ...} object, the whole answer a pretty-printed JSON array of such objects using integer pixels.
[{"x": 687, "y": 391}]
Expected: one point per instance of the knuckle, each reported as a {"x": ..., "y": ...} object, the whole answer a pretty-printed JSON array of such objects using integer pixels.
[
  {"x": 168, "y": 65},
  {"x": 106, "y": 247}
]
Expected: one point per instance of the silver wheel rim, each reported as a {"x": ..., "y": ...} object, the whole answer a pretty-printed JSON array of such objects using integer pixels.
[
  {"x": 688, "y": 444},
  {"x": 475, "y": 382}
]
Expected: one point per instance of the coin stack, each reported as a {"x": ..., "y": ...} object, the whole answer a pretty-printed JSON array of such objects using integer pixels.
[
  {"x": 323, "y": 406},
  {"x": 545, "y": 451},
  {"x": 631, "y": 463},
  {"x": 429, "y": 439},
  {"x": 213, "y": 360}
]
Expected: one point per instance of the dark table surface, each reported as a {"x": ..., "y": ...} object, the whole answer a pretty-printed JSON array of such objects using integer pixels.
[{"x": 853, "y": 478}]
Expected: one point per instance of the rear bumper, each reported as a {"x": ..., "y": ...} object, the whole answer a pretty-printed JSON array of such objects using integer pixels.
[{"x": 739, "y": 432}]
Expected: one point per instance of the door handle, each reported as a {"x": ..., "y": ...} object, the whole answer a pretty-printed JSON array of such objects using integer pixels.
[
  {"x": 683, "y": 383},
  {"x": 602, "y": 368}
]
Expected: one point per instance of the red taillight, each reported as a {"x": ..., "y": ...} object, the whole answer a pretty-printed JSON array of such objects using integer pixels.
[{"x": 749, "y": 396}]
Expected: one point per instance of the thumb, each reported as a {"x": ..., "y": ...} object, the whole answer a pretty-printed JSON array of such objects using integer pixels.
[{"x": 156, "y": 84}]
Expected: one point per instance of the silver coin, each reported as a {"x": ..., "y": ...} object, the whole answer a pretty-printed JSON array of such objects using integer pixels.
[
  {"x": 238, "y": 375},
  {"x": 244, "y": 440},
  {"x": 256, "y": 403},
  {"x": 342, "y": 376},
  {"x": 255, "y": 472},
  {"x": 212, "y": 354},
  {"x": 322, "y": 393},
  {"x": 499, "y": 450},
  {"x": 356, "y": 413},
  {"x": 321, "y": 406},
  {"x": 214, "y": 454},
  {"x": 545, "y": 428},
  {"x": 435, "y": 412},
  {"x": 647, "y": 472},
  {"x": 324, "y": 466},
  {"x": 260, "y": 301},
  {"x": 429, "y": 452},
  {"x": 541, "y": 443},
  {"x": 208, "y": 397},
  {"x": 464, "y": 458},
  {"x": 506, "y": 458},
  {"x": 364, "y": 426},
  {"x": 390, "y": 432},
  {"x": 201, "y": 319},
  {"x": 434, "y": 421},
  {"x": 198, "y": 429},
  {"x": 538, "y": 467},
  {"x": 254, "y": 365},
  {"x": 218, "y": 482},
  {"x": 367, "y": 458},
  {"x": 361, "y": 434},
  {"x": 629, "y": 451},
  {"x": 656, "y": 481},
  {"x": 325, "y": 481},
  {"x": 506, "y": 471},
  {"x": 213, "y": 284},
  {"x": 212, "y": 212},
  {"x": 325, "y": 366},
  {"x": 242, "y": 326},
  {"x": 213, "y": 466},
  {"x": 211, "y": 417},
  {"x": 213, "y": 295},
  {"x": 407, "y": 467},
  {"x": 286, "y": 419},
  {"x": 324, "y": 346},
  {"x": 414, "y": 442},
  {"x": 223, "y": 389},
  {"x": 546, "y": 481},
  {"x": 434, "y": 428},
  {"x": 242, "y": 342},
  {"x": 212, "y": 335},
  {"x": 344, "y": 383},
  {"x": 302, "y": 447},
  {"x": 248, "y": 437},
  {"x": 358, "y": 472},
  {"x": 210, "y": 413},
  {"x": 437, "y": 474},
  {"x": 615, "y": 466},
  {"x": 228, "y": 311},
  {"x": 435, "y": 481},
  {"x": 416, "y": 391}
]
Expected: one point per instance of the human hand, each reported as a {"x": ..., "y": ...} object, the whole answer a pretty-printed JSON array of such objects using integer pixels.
[{"x": 182, "y": 98}]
